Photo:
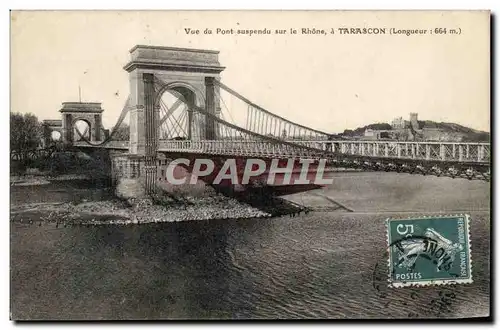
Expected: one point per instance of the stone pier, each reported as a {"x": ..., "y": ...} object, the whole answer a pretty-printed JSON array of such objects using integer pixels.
[
  {"x": 152, "y": 71},
  {"x": 127, "y": 170}
]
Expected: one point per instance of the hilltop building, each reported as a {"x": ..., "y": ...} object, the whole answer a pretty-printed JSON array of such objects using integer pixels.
[
  {"x": 398, "y": 123},
  {"x": 410, "y": 130}
]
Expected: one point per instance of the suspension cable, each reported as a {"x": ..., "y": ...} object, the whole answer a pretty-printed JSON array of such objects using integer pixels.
[
  {"x": 170, "y": 111},
  {"x": 227, "y": 108},
  {"x": 244, "y": 99},
  {"x": 123, "y": 113},
  {"x": 172, "y": 118},
  {"x": 259, "y": 136}
]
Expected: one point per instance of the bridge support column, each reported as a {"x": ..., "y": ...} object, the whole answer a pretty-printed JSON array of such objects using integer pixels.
[
  {"x": 67, "y": 128},
  {"x": 151, "y": 130},
  {"x": 210, "y": 107},
  {"x": 190, "y": 123},
  {"x": 97, "y": 127},
  {"x": 144, "y": 118}
]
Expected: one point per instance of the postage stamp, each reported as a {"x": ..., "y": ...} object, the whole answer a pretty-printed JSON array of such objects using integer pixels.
[{"x": 429, "y": 251}]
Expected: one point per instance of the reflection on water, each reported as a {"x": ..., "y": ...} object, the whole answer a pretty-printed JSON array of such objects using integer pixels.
[
  {"x": 319, "y": 265},
  {"x": 310, "y": 266}
]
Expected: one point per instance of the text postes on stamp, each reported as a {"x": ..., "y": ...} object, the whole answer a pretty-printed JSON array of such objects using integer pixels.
[{"x": 429, "y": 250}]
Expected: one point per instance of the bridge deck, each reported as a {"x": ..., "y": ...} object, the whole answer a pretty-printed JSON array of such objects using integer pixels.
[{"x": 478, "y": 153}]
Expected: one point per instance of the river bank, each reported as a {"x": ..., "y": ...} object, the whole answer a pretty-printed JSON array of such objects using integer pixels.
[
  {"x": 43, "y": 179},
  {"x": 136, "y": 212},
  {"x": 75, "y": 199}
]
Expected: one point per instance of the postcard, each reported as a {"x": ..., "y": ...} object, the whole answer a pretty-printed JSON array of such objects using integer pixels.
[{"x": 250, "y": 165}]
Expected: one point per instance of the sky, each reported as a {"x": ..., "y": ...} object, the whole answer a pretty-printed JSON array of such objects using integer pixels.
[{"x": 328, "y": 82}]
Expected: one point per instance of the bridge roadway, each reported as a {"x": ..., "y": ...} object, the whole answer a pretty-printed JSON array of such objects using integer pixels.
[
  {"x": 452, "y": 152},
  {"x": 453, "y": 159}
]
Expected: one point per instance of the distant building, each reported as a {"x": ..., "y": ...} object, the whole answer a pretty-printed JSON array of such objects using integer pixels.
[
  {"x": 409, "y": 130},
  {"x": 370, "y": 133},
  {"x": 398, "y": 123},
  {"x": 376, "y": 134},
  {"x": 414, "y": 120}
]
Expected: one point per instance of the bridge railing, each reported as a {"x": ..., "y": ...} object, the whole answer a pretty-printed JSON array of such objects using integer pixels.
[
  {"x": 236, "y": 148},
  {"x": 109, "y": 145},
  {"x": 442, "y": 151}
]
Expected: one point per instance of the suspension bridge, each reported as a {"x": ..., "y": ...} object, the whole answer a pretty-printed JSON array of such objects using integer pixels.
[{"x": 203, "y": 117}]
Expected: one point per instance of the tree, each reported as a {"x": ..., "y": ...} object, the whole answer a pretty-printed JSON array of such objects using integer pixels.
[
  {"x": 348, "y": 132},
  {"x": 122, "y": 133},
  {"x": 25, "y": 135},
  {"x": 360, "y": 131}
]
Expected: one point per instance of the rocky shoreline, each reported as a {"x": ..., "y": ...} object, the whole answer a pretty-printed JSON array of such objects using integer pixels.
[
  {"x": 174, "y": 206},
  {"x": 135, "y": 212}
]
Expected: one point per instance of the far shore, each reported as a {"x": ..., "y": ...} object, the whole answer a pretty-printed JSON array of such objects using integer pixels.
[
  {"x": 36, "y": 177},
  {"x": 40, "y": 179}
]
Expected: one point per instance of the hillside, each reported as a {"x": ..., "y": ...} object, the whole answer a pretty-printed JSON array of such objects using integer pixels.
[
  {"x": 360, "y": 131},
  {"x": 467, "y": 134}
]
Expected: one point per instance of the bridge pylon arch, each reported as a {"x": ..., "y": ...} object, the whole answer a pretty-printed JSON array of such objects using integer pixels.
[{"x": 189, "y": 95}]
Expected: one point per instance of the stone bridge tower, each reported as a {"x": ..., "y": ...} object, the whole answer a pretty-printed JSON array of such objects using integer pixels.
[
  {"x": 90, "y": 112},
  {"x": 154, "y": 70},
  {"x": 49, "y": 126}
]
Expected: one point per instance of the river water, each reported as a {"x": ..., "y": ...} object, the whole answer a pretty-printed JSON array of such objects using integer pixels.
[{"x": 329, "y": 263}]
